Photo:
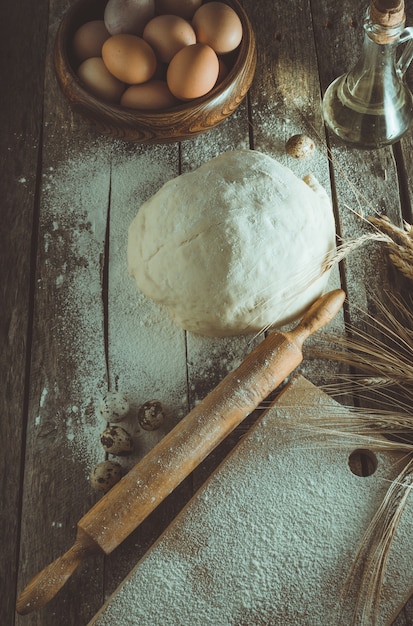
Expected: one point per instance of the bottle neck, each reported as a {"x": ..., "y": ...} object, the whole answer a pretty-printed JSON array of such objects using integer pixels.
[
  {"x": 378, "y": 57},
  {"x": 380, "y": 34},
  {"x": 387, "y": 13},
  {"x": 374, "y": 82},
  {"x": 379, "y": 49}
]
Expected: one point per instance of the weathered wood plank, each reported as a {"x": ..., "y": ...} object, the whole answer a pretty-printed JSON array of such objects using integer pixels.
[
  {"x": 146, "y": 351},
  {"x": 68, "y": 367},
  {"x": 67, "y": 371},
  {"x": 362, "y": 186},
  {"x": 23, "y": 32}
]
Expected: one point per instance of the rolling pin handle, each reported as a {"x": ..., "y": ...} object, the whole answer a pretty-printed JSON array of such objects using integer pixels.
[
  {"x": 318, "y": 315},
  {"x": 44, "y": 586}
]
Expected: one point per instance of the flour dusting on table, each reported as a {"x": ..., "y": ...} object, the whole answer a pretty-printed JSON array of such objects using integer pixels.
[
  {"x": 147, "y": 353},
  {"x": 270, "y": 538},
  {"x": 76, "y": 198}
]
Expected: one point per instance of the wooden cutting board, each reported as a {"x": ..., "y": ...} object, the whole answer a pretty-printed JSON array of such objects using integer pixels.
[{"x": 271, "y": 537}]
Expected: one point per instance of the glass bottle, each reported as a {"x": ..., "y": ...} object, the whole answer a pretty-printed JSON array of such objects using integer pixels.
[{"x": 371, "y": 106}]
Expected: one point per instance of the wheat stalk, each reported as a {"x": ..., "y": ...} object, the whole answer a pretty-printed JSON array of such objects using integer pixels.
[
  {"x": 344, "y": 249},
  {"x": 385, "y": 373},
  {"x": 374, "y": 552},
  {"x": 398, "y": 241},
  {"x": 400, "y": 245},
  {"x": 386, "y": 367}
]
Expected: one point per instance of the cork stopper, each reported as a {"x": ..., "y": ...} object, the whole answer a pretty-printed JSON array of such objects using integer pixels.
[{"x": 388, "y": 13}]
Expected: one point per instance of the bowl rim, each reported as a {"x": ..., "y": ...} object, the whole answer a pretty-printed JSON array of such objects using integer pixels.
[{"x": 63, "y": 63}]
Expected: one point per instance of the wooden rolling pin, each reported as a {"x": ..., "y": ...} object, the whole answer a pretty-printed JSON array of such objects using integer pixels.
[{"x": 153, "y": 478}]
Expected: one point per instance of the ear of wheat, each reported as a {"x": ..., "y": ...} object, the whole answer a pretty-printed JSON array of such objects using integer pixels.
[
  {"x": 400, "y": 246},
  {"x": 384, "y": 366},
  {"x": 371, "y": 559},
  {"x": 398, "y": 241},
  {"x": 388, "y": 373}
]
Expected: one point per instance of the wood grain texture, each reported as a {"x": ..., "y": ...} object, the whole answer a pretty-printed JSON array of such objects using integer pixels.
[
  {"x": 75, "y": 346},
  {"x": 20, "y": 153},
  {"x": 63, "y": 385},
  {"x": 136, "y": 364}
]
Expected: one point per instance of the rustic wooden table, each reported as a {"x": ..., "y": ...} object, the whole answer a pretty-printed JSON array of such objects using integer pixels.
[{"x": 67, "y": 196}]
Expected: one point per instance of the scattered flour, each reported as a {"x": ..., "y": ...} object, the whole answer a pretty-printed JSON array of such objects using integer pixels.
[
  {"x": 89, "y": 197},
  {"x": 266, "y": 541},
  {"x": 73, "y": 226}
]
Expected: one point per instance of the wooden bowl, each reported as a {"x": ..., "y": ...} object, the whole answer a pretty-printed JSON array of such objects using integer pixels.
[{"x": 149, "y": 126}]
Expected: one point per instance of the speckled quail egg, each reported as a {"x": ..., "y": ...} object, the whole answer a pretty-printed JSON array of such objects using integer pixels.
[
  {"x": 151, "y": 415},
  {"x": 114, "y": 406},
  {"x": 116, "y": 440},
  {"x": 105, "y": 475},
  {"x": 300, "y": 146}
]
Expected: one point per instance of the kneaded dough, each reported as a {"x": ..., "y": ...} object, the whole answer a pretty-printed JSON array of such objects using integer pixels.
[{"x": 235, "y": 246}]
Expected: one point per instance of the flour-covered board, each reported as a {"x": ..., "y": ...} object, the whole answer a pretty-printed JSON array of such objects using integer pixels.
[{"x": 272, "y": 536}]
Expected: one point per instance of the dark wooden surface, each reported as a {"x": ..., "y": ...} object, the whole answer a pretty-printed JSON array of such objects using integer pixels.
[{"x": 54, "y": 347}]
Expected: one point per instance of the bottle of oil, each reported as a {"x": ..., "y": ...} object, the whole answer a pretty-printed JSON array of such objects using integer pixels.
[{"x": 372, "y": 106}]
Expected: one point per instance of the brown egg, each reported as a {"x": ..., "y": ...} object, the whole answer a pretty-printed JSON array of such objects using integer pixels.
[
  {"x": 129, "y": 58},
  {"x": 167, "y": 34},
  {"x": 99, "y": 81},
  {"x": 153, "y": 94},
  {"x": 193, "y": 71},
  {"x": 89, "y": 39},
  {"x": 183, "y": 8},
  {"x": 218, "y": 25},
  {"x": 128, "y": 16}
]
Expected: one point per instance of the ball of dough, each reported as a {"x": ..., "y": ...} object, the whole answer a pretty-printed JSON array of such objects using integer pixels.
[{"x": 235, "y": 246}]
